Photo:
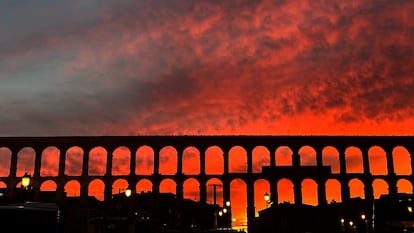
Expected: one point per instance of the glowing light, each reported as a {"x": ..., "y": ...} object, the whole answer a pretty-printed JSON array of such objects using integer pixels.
[
  {"x": 266, "y": 197},
  {"x": 26, "y": 180},
  {"x": 128, "y": 192}
]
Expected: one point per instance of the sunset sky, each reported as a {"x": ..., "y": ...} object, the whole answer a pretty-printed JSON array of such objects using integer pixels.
[{"x": 206, "y": 67}]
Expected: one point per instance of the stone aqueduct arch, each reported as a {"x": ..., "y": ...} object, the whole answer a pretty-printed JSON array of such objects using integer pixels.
[{"x": 273, "y": 173}]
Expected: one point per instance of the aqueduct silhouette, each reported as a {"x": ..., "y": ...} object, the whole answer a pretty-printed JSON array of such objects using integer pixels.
[{"x": 272, "y": 173}]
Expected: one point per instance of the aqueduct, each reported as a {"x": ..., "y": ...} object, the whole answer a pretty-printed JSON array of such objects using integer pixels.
[{"x": 272, "y": 172}]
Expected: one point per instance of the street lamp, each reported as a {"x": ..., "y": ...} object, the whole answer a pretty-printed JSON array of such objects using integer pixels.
[
  {"x": 266, "y": 198},
  {"x": 131, "y": 214},
  {"x": 228, "y": 217},
  {"x": 365, "y": 221},
  {"x": 343, "y": 224},
  {"x": 128, "y": 192},
  {"x": 25, "y": 180},
  {"x": 215, "y": 203}
]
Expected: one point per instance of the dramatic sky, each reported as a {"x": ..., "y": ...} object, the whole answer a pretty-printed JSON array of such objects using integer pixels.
[
  {"x": 106, "y": 67},
  {"x": 172, "y": 67}
]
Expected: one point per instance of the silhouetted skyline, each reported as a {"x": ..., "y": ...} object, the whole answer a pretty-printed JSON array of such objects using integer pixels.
[{"x": 310, "y": 173}]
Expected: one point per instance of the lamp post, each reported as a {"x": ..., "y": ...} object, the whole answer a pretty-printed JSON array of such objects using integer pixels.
[
  {"x": 364, "y": 222},
  {"x": 351, "y": 226},
  {"x": 342, "y": 225},
  {"x": 215, "y": 203},
  {"x": 26, "y": 186},
  {"x": 225, "y": 216},
  {"x": 25, "y": 181},
  {"x": 128, "y": 192},
  {"x": 267, "y": 199},
  {"x": 130, "y": 209},
  {"x": 229, "y": 215}
]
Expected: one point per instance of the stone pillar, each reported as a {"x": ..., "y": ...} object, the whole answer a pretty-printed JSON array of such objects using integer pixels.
[
  {"x": 272, "y": 154},
  {"x": 322, "y": 193},
  {"x": 109, "y": 159},
  {"x": 203, "y": 189},
  {"x": 345, "y": 195},
  {"x": 225, "y": 179},
  {"x": 249, "y": 161},
  {"x": 203, "y": 161},
  {"x": 132, "y": 161},
  {"x": 226, "y": 191},
  {"x": 368, "y": 190},
  {"x": 13, "y": 162},
  {"x": 34, "y": 183},
  {"x": 391, "y": 176},
  {"x": 85, "y": 160},
  {"x": 225, "y": 160},
  {"x": 295, "y": 156},
  {"x": 202, "y": 176},
  {"x": 321, "y": 183},
  {"x": 11, "y": 187},
  {"x": 273, "y": 192},
  {"x": 155, "y": 218},
  {"x": 108, "y": 192},
  {"x": 319, "y": 156},
  {"x": 250, "y": 207},
  {"x": 62, "y": 160},
  {"x": 84, "y": 177},
  {"x": 37, "y": 162},
  {"x": 108, "y": 179},
  {"x": 297, "y": 189},
  {"x": 60, "y": 191},
  {"x": 156, "y": 160},
  {"x": 179, "y": 190},
  {"x": 365, "y": 161},
  {"x": 390, "y": 161},
  {"x": 156, "y": 181}
]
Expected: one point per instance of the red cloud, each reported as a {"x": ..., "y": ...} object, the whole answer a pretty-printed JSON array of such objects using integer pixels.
[{"x": 263, "y": 67}]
